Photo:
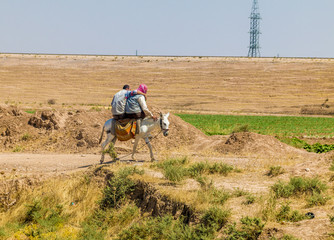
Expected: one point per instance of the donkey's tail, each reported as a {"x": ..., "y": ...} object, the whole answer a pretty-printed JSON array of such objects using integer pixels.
[{"x": 101, "y": 135}]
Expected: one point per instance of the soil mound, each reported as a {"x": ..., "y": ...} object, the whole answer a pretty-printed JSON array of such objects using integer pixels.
[
  {"x": 248, "y": 142},
  {"x": 79, "y": 131}
]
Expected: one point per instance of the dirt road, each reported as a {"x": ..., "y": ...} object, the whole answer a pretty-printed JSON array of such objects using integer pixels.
[{"x": 27, "y": 163}]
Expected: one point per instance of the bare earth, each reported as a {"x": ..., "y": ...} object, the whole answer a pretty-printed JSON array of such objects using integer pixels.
[{"x": 38, "y": 139}]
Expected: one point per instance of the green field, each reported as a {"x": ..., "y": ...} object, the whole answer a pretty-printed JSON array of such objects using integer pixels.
[{"x": 280, "y": 126}]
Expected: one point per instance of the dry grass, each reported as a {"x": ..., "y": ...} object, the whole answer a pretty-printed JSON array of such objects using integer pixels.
[
  {"x": 180, "y": 84},
  {"x": 76, "y": 193}
]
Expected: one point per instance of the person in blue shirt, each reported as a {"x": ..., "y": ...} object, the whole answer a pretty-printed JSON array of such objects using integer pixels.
[{"x": 119, "y": 101}]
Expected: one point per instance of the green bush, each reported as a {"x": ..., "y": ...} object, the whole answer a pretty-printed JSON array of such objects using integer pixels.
[
  {"x": 46, "y": 220},
  {"x": 197, "y": 169},
  {"x": 250, "y": 229},
  {"x": 175, "y": 173},
  {"x": 118, "y": 187},
  {"x": 317, "y": 199},
  {"x": 286, "y": 214},
  {"x": 298, "y": 186},
  {"x": 215, "y": 218},
  {"x": 213, "y": 196},
  {"x": 221, "y": 168},
  {"x": 241, "y": 128},
  {"x": 159, "y": 228}
]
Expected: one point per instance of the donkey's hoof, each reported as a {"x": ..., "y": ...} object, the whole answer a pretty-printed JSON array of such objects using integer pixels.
[{"x": 101, "y": 160}]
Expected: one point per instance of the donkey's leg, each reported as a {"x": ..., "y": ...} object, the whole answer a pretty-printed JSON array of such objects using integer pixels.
[
  {"x": 134, "y": 147},
  {"x": 104, "y": 144},
  {"x": 150, "y": 147}
]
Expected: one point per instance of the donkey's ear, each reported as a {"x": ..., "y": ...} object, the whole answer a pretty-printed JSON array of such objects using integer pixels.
[
  {"x": 160, "y": 114},
  {"x": 167, "y": 115}
]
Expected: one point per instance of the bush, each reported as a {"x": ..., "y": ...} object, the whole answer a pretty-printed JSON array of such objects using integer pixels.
[
  {"x": 118, "y": 187},
  {"x": 251, "y": 229},
  {"x": 275, "y": 171},
  {"x": 317, "y": 199},
  {"x": 213, "y": 196},
  {"x": 240, "y": 128},
  {"x": 111, "y": 151},
  {"x": 159, "y": 228},
  {"x": 175, "y": 173},
  {"x": 197, "y": 169},
  {"x": 298, "y": 185},
  {"x": 220, "y": 168},
  {"x": 215, "y": 218},
  {"x": 285, "y": 214},
  {"x": 250, "y": 199}
]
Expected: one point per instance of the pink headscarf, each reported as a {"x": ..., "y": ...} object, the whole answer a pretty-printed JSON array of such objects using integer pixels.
[{"x": 142, "y": 88}]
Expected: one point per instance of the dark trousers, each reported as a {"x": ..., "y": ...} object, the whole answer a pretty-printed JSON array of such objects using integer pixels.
[
  {"x": 135, "y": 115},
  {"x": 119, "y": 117}
]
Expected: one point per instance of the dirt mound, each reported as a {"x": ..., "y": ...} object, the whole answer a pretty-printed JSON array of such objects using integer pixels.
[
  {"x": 248, "y": 142},
  {"x": 47, "y": 120},
  {"x": 78, "y": 131}
]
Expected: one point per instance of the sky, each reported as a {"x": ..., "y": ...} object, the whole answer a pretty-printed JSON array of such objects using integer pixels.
[{"x": 289, "y": 28}]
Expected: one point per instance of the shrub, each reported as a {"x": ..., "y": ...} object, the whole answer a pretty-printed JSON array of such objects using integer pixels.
[
  {"x": 159, "y": 228},
  {"x": 298, "y": 185},
  {"x": 317, "y": 199},
  {"x": 250, "y": 199},
  {"x": 213, "y": 196},
  {"x": 175, "y": 173},
  {"x": 118, "y": 187},
  {"x": 241, "y": 128},
  {"x": 285, "y": 214},
  {"x": 220, "y": 168},
  {"x": 239, "y": 192},
  {"x": 275, "y": 171},
  {"x": 215, "y": 218},
  {"x": 197, "y": 169},
  {"x": 331, "y": 218},
  {"x": 281, "y": 189},
  {"x": 111, "y": 151},
  {"x": 251, "y": 228}
]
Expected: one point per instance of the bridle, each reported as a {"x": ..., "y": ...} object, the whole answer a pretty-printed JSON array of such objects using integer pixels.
[{"x": 161, "y": 127}]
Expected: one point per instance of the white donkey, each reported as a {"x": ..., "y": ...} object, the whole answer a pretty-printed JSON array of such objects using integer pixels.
[{"x": 147, "y": 126}]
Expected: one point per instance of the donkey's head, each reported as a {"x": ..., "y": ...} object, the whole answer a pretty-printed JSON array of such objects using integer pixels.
[{"x": 164, "y": 123}]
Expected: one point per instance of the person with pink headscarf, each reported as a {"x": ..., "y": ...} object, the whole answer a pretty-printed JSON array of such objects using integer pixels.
[
  {"x": 119, "y": 101},
  {"x": 136, "y": 107}
]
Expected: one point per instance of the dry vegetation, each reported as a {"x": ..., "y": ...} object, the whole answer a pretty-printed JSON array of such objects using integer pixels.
[
  {"x": 187, "y": 84},
  {"x": 239, "y": 186}
]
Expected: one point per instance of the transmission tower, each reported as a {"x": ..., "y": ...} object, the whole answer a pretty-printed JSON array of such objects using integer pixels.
[{"x": 254, "y": 32}]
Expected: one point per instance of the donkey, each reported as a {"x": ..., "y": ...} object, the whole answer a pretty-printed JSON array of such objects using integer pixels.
[{"x": 147, "y": 126}]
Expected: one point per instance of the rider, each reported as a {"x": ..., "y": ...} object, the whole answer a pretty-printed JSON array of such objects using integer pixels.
[
  {"x": 136, "y": 107},
  {"x": 119, "y": 101}
]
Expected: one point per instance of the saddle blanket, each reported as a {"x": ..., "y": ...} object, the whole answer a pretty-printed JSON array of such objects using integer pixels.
[{"x": 126, "y": 129}]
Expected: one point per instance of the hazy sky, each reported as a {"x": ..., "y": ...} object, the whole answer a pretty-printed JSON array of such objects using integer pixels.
[{"x": 290, "y": 28}]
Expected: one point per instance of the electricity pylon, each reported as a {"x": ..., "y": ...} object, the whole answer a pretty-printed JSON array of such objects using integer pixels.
[{"x": 254, "y": 45}]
